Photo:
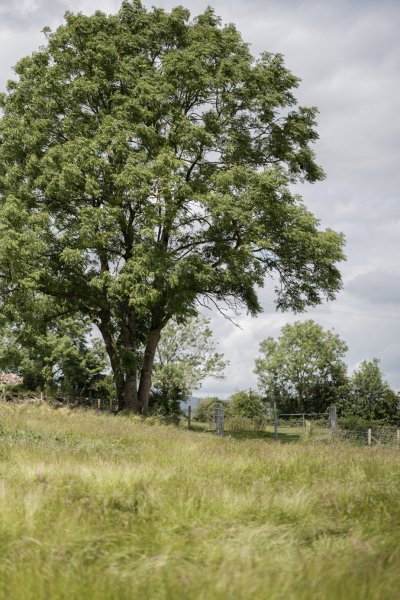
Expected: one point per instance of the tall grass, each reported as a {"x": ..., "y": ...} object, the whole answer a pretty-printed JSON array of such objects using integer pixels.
[{"x": 102, "y": 507}]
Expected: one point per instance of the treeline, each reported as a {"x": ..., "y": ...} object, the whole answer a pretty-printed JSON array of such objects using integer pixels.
[{"x": 303, "y": 371}]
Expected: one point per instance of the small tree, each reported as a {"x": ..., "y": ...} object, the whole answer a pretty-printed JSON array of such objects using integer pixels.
[
  {"x": 369, "y": 395},
  {"x": 303, "y": 370},
  {"x": 170, "y": 389},
  {"x": 185, "y": 357}
]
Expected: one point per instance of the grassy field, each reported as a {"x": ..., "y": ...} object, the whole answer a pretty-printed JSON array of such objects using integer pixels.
[{"x": 105, "y": 507}]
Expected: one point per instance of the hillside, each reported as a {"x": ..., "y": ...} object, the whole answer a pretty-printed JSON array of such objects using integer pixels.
[{"x": 105, "y": 507}]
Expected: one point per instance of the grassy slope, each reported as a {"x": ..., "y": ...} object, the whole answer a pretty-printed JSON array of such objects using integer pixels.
[{"x": 105, "y": 507}]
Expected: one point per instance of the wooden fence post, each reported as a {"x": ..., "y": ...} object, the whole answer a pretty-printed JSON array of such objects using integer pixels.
[
  {"x": 398, "y": 437},
  {"x": 333, "y": 418},
  {"x": 275, "y": 423},
  {"x": 308, "y": 427},
  {"x": 219, "y": 418},
  {"x": 99, "y": 405},
  {"x": 189, "y": 417},
  {"x": 370, "y": 437},
  {"x": 111, "y": 408}
]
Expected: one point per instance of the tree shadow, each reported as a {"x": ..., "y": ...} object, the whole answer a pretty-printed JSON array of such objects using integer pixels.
[{"x": 283, "y": 437}]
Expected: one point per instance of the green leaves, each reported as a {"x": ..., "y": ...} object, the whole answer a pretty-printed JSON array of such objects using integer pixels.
[
  {"x": 185, "y": 357},
  {"x": 304, "y": 369},
  {"x": 369, "y": 395},
  {"x": 191, "y": 348},
  {"x": 149, "y": 158},
  {"x": 245, "y": 404},
  {"x": 55, "y": 353}
]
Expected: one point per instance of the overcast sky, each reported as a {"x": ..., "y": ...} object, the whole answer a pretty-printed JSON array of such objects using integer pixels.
[{"x": 347, "y": 54}]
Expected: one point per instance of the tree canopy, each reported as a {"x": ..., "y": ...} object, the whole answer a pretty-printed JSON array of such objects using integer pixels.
[
  {"x": 303, "y": 370},
  {"x": 57, "y": 356},
  {"x": 146, "y": 160},
  {"x": 369, "y": 396}
]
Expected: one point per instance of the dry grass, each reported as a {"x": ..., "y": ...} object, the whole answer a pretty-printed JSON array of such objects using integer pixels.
[{"x": 100, "y": 507}]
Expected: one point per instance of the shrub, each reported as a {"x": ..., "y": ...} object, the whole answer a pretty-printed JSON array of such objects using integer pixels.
[
  {"x": 206, "y": 407},
  {"x": 354, "y": 422},
  {"x": 247, "y": 405}
]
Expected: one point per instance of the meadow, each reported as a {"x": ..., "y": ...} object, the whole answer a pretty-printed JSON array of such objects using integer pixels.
[{"x": 108, "y": 507}]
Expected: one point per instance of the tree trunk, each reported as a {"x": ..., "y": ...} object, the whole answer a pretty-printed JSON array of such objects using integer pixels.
[
  {"x": 125, "y": 378},
  {"x": 147, "y": 370},
  {"x": 111, "y": 349},
  {"x": 124, "y": 391},
  {"x": 129, "y": 398},
  {"x": 120, "y": 387}
]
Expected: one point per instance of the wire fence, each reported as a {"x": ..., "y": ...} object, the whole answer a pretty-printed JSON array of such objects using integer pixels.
[
  {"x": 285, "y": 426},
  {"x": 377, "y": 436},
  {"x": 291, "y": 427},
  {"x": 303, "y": 420}
]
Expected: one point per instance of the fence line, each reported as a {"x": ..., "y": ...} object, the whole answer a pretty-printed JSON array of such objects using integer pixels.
[
  {"x": 387, "y": 436},
  {"x": 326, "y": 423}
]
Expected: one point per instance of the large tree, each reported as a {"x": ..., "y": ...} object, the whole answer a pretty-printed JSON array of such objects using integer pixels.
[
  {"x": 303, "y": 370},
  {"x": 145, "y": 166}
]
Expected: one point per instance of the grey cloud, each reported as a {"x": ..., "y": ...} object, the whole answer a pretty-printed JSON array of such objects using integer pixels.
[
  {"x": 30, "y": 14},
  {"x": 376, "y": 287}
]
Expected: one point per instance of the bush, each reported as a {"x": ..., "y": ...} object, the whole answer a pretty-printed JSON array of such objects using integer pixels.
[
  {"x": 354, "y": 422},
  {"x": 243, "y": 404},
  {"x": 169, "y": 390},
  {"x": 206, "y": 407}
]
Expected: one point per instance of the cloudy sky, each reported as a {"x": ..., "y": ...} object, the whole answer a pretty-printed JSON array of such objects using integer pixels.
[{"x": 347, "y": 54}]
